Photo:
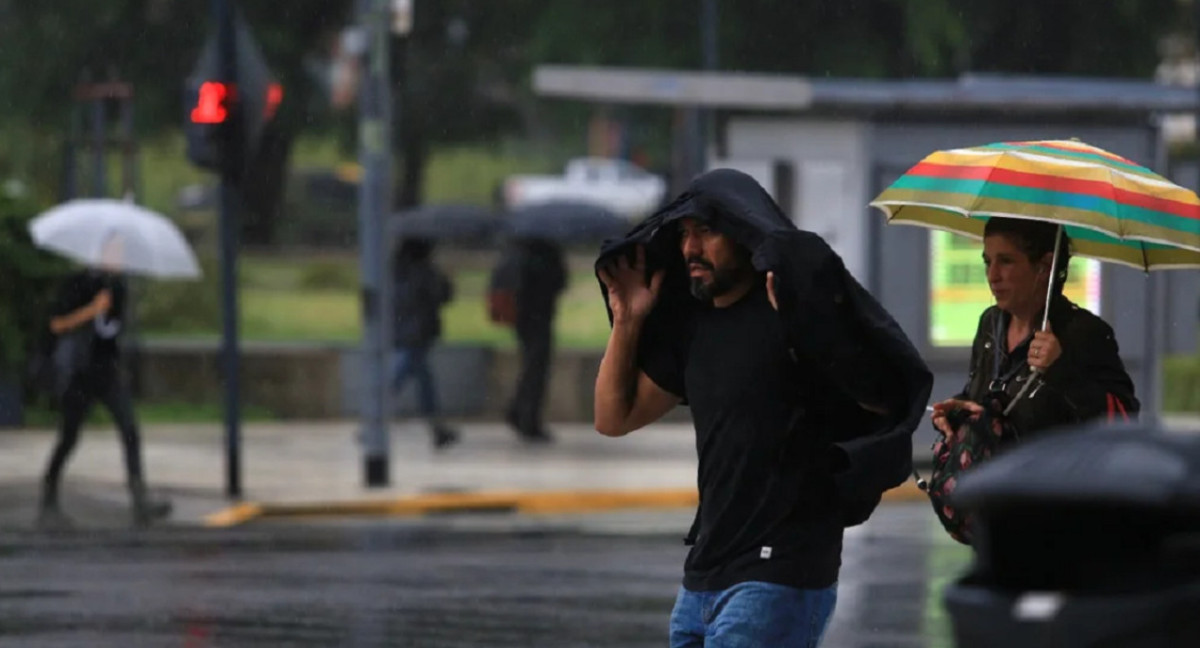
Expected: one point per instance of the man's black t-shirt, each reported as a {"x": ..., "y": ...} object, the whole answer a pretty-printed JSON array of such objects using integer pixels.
[
  {"x": 766, "y": 507},
  {"x": 79, "y": 290}
]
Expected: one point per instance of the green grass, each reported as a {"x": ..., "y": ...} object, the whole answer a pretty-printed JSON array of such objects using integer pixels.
[
  {"x": 470, "y": 174},
  {"x": 457, "y": 174},
  {"x": 275, "y": 305},
  {"x": 1181, "y": 384}
]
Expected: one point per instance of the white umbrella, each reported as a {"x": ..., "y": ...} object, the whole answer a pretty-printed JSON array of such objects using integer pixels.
[{"x": 103, "y": 232}]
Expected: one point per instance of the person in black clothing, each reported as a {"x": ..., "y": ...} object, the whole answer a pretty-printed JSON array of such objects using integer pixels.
[
  {"x": 719, "y": 302},
  {"x": 87, "y": 322},
  {"x": 1080, "y": 373},
  {"x": 524, "y": 293},
  {"x": 420, "y": 291}
]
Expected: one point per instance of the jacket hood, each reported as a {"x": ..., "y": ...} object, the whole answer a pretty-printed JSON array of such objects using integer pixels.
[{"x": 730, "y": 201}]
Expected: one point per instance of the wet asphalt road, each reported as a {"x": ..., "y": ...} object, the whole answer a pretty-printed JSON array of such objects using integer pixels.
[{"x": 424, "y": 583}]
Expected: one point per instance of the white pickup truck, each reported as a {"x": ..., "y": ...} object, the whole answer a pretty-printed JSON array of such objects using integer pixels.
[{"x": 615, "y": 184}]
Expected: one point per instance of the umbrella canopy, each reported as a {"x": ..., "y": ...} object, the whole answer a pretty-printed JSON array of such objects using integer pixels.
[
  {"x": 118, "y": 235},
  {"x": 566, "y": 222},
  {"x": 445, "y": 223},
  {"x": 1113, "y": 209}
]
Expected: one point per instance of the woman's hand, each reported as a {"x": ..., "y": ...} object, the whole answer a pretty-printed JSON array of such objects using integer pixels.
[
  {"x": 1044, "y": 350},
  {"x": 942, "y": 410}
]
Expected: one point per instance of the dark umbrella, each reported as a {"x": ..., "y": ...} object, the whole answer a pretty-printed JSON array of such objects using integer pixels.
[
  {"x": 566, "y": 222},
  {"x": 445, "y": 223}
]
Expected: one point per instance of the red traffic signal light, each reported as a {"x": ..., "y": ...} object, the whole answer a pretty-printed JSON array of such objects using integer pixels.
[
  {"x": 274, "y": 96},
  {"x": 211, "y": 107}
]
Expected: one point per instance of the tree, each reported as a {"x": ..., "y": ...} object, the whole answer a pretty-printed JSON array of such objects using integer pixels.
[
  {"x": 289, "y": 34},
  {"x": 30, "y": 277},
  {"x": 457, "y": 74},
  {"x": 466, "y": 64},
  {"x": 153, "y": 44}
]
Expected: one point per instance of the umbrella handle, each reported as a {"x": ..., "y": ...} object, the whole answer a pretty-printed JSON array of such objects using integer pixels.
[
  {"x": 1024, "y": 388},
  {"x": 1045, "y": 318}
]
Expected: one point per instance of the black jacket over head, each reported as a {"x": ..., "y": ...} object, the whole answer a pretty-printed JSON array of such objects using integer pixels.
[{"x": 834, "y": 326}]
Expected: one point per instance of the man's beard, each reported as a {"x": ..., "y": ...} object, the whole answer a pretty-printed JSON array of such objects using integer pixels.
[{"x": 723, "y": 280}]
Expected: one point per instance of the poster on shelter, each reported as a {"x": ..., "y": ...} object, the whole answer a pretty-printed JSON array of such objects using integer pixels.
[{"x": 959, "y": 293}]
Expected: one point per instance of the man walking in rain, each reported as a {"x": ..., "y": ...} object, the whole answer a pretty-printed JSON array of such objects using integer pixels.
[{"x": 804, "y": 393}]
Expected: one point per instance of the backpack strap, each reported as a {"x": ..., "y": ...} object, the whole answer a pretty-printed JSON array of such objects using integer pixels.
[{"x": 1115, "y": 406}]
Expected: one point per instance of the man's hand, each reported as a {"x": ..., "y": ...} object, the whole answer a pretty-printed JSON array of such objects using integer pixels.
[
  {"x": 943, "y": 409},
  {"x": 771, "y": 290},
  {"x": 628, "y": 295},
  {"x": 1044, "y": 350}
]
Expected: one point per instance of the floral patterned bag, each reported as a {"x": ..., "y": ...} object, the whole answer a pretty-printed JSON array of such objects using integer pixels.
[{"x": 976, "y": 438}]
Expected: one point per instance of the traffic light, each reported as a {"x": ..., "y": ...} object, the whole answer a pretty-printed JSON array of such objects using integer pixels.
[
  {"x": 224, "y": 118},
  {"x": 209, "y": 126},
  {"x": 211, "y": 103}
]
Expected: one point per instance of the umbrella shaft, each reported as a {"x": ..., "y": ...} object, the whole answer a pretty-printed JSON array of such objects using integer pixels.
[{"x": 1053, "y": 274}]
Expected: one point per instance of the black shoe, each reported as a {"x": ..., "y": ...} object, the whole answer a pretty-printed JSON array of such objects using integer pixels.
[
  {"x": 51, "y": 518},
  {"x": 538, "y": 435},
  {"x": 147, "y": 509},
  {"x": 444, "y": 437},
  {"x": 151, "y": 511}
]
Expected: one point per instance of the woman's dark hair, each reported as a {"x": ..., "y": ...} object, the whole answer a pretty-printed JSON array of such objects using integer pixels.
[{"x": 1035, "y": 239}]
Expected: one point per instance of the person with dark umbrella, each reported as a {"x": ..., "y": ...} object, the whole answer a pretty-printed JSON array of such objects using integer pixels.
[
  {"x": 524, "y": 291},
  {"x": 420, "y": 291}
]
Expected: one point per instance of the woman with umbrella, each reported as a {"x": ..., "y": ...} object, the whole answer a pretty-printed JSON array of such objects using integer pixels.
[
  {"x": 1076, "y": 358},
  {"x": 1038, "y": 361}
]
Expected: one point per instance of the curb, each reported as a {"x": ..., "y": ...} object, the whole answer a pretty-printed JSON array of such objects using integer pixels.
[{"x": 524, "y": 502}]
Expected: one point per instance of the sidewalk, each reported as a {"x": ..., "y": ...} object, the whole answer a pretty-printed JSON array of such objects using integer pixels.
[{"x": 315, "y": 469}]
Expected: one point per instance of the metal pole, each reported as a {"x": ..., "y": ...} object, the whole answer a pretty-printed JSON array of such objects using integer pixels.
[
  {"x": 699, "y": 120},
  {"x": 233, "y": 166},
  {"x": 70, "y": 168},
  {"x": 128, "y": 192},
  {"x": 128, "y": 148},
  {"x": 374, "y": 154},
  {"x": 708, "y": 42},
  {"x": 98, "y": 118}
]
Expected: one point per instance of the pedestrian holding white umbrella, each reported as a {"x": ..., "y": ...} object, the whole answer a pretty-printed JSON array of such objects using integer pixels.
[{"x": 111, "y": 238}]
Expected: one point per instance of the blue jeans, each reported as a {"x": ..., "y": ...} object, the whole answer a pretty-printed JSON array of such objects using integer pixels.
[
  {"x": 414, "y": 362},
  {"x": 750, "y": 615}
]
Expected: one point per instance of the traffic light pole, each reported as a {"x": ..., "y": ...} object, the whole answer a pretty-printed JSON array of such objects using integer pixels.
[
  {"x": 374, "y": 200},
  {"x": 232, "y": 168}
]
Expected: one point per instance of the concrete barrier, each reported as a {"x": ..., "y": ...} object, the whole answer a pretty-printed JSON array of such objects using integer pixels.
[{"x": 323, "y": 381}]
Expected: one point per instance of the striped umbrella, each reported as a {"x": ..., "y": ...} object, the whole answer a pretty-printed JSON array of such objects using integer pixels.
[{"x": 1113, "y": 209}]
